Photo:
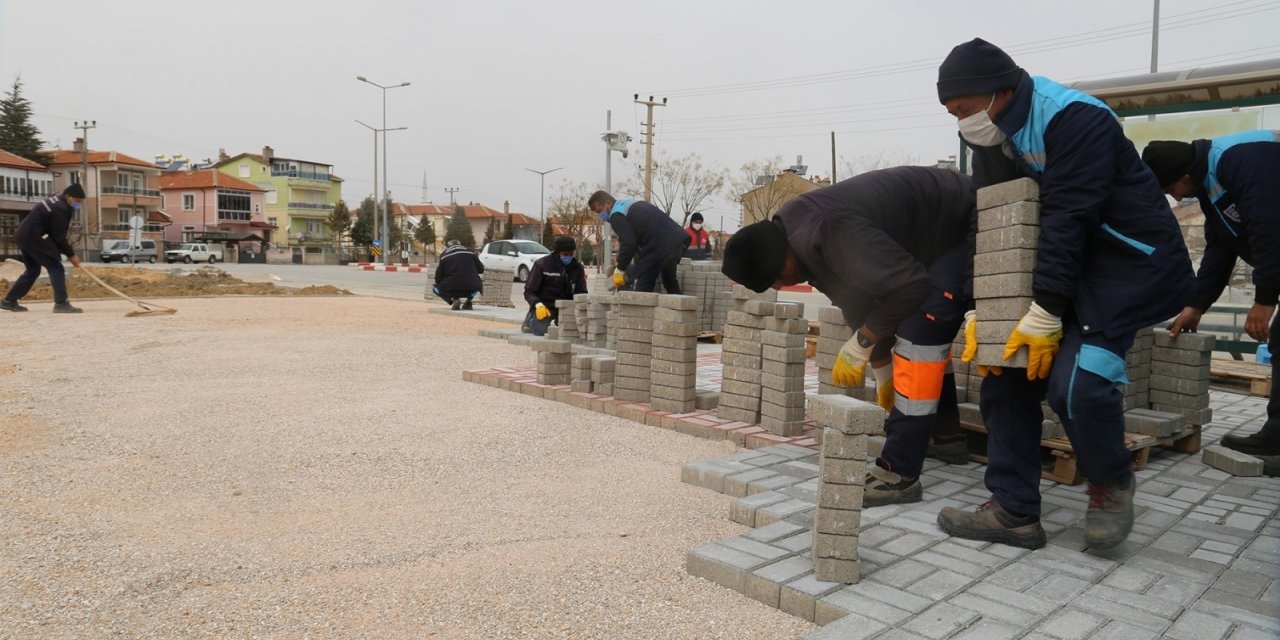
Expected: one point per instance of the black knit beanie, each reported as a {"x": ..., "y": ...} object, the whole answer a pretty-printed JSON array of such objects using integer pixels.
[
  {"x": 74, "y": 190},
  {"x": 976, "y": 67},
  {"x": 565, "y": 243},
  {"x": 1169, "y": 160},
  {"x": 755, "y": 256}
]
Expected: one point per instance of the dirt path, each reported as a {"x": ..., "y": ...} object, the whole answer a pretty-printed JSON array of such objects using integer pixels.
[
  {"x": 149, "y": 283},
  {"x": 317, "y": 467}
]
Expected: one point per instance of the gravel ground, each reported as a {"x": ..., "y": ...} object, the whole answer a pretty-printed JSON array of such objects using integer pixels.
[{"x": 258, "y": 467}]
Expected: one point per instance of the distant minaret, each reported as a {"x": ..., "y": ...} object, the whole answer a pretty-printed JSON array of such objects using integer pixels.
[{"x": 425, "y": 198}]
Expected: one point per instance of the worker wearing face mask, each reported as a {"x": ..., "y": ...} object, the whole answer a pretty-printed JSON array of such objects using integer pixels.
[
  {"x": 42, "y": 236},
  {"x": 555, "y": 276},
  {"x": 1111, "y": 260},
  {"x": 699, "y": 240}
]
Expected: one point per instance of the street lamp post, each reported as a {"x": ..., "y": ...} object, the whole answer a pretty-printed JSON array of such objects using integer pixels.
[
  {"x": 376, "y": 131},
  {"x": 542, "y": 195},
  {"x": 386, "y": 232}
]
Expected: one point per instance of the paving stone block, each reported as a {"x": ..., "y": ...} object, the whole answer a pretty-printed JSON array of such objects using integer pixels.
[
  {"x": 994, "y": 309},
  {"x": 826, "y": 545},
  {"x": 1181, "y": 356},
  {"x": 744, "y": 319},
  {"x": 552, "y": 346},
  {"x": 603, "y": 363},
  {"x": 840, "y": 496},
  {"x": 680, "y": 354},
  {"x": 1199, "y": 342},
  {"x": 836, "y": 570},
  {"x": 582, "y": 386},
  {"x": 839, "y": 522},
  {"x": 633, "y": 335},
  {"x": 672, "y": 380},
  {"x": 995, "y": 331},
  {"x": 788, "y": 310},
  {"x": 786, "y": 369},
  {"x": 678, "y": 329},
  {"x": 672, "y": 315},
  {"x": 787, "y": 325},
  {"x": 1152, "y": 423},
  {"x": 555, "y": 369},
  {"x": 1015, "y": 213},
  {"x": 992, "y": 355},
  {"x": 842, "y": 446},
  {"x": 778, "y": 339},
  {"x": 604, "y": 388},
  {"x": 740, "y": 401},
  {"x": 659, "y": 340},
  {"x": 1004, "y": 285},
  {"x": 1007, "y": 261},
  {"x": 842, "y": 471},
  {"x": 737, "y": 414},
  {"x": 741, "y": 360},
  {"x": 1179, "y": 400},
  {"x": 739, "y": 374},
  {"x": 684, "y": 395},
  {"x": 758, "y": 307},
  {"x": 639, "y": 298},
  {"x": 1191, "y": 416},
  {"x": 799, "y": 596},
  {"x": 784, "y": 399},
  {"x": 831, "y": 315},
  {"x": 847, "y": 415},
  {"x": 553, "y": 378},
  {"x": 678, "y": 302},
  {"x": 739, "y": 345},
  {"x": 743, "y": 510},
  {"x": 765, "y": 584},
  {"x": 706, "y": 400},
  {"x": 794, "y": 384},
  {"x": 722, "y": 565},
  {"x": 788, "y": 355},
  {"x": 546, "y": 357},
  {"x": 1008, "y": 192},
  {"x": 1233, "y": 462}
]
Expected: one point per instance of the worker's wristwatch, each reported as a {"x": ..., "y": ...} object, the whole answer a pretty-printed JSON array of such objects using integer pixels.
[{"x": 863, "y": 341}]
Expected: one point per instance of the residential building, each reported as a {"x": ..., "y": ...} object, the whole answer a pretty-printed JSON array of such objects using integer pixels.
[
  {"x": 409, "y": 216},
  {"x": 298, "y": 195},
  {"x": 209, "y": 205},
  {"x": 763, "y": 201},
  {"x": 120, "y": 190},
  {"x": 23, "y": 183}
]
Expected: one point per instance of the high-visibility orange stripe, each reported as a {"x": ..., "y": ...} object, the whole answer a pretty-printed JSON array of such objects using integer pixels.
[{"x": 917, "y": 380}]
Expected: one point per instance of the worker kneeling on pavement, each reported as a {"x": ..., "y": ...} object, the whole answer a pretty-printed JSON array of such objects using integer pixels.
[
  {"x": 458, "y": 276},
  {"x": 555, "y": 276},
  {"x": 1236, "y": 178},
  {"x": 893, "y": 249},
  {"x": 1110, "y": 261},
  {"x": 647, "y": 235}
]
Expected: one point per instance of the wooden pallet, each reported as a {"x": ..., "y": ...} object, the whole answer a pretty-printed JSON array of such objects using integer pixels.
[
  {"x": 712, "y": 337},
  {"x": 1235, "y": 373},
  {"x": 1057, "y": 458}
]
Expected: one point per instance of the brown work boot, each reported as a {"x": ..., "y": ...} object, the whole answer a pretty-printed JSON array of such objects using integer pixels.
[
  {"x": 886, "y": 487},
  {"x": 1110, "y": 515},
  {"x": 991, "y": 523}
]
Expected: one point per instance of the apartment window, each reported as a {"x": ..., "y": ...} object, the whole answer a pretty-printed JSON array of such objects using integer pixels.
[
  {"x": 272, "y": 197},
  {"x": 314, "y": 227},
  {"x": 272, "y": 222},
  {"x": 188, "y": 202},
  {"x": 244, "y": 171},
  {"x": 75, "y": 177}
]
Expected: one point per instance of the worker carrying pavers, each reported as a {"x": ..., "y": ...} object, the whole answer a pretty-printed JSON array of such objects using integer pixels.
[
  {"x": 1110, "y": 260},
  {"x": 893, "y": 249},
  {"x": 647, "y": 235},
  {"x": 1236, "y": 178}
]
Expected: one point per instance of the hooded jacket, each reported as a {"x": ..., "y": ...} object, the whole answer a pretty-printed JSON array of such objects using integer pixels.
[
  {"x": 1238, "y": 184},
  {"x": 549, "y": 280},
  {"x": 51, "y": 217},
  {"x": 867, "y": 242},
  {"x": 459, "y": 270},
  {"x": 1110, "y": 250}
]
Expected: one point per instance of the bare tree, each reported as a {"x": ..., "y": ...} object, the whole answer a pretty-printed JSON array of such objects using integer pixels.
[
  {"x": 760, "y": 187},
  {"x": 681, "y": 184},
  {"x": 871, "y": 161},
  {"x": 568, "y": 210}
]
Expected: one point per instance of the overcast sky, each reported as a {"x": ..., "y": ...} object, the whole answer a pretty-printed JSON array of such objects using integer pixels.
[{"x": 498, "y": 87}]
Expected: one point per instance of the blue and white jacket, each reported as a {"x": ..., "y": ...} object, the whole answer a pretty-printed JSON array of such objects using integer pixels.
[
  {"x": 1110, "y": 251},
  {"x": 1238, "y": 185},
  {"x": 642, "y": 227}
]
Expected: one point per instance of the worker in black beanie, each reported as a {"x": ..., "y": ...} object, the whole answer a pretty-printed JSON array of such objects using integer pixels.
[
  {"x": 893, "y": 249},
  {"x": 1236, "y": 178},
  {"x": 42, "y": 237},
  {"x": 1110, "y": 260}
]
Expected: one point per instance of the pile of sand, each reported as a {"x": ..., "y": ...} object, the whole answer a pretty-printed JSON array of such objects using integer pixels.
[{"x": 152, "y": 283}]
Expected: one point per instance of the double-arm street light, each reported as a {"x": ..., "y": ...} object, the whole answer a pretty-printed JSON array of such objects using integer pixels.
[
  {"x": 376, "y": 131},
  {"x": 385, "y": 230},
  {"x": 542, "y": 192}
]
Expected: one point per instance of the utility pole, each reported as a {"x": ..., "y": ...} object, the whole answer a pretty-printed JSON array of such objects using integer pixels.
[
  {"x": 451, "y": 191},
  {"x": 833, "y": 157},
  {"x": 84, "y": 127},
  {"x": 606, "y": 232},
  {"x": 648, "y": 142},
  {"x": 1155, "y": 44}
]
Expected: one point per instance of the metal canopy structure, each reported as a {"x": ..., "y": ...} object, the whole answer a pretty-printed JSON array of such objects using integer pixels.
[{"x": 1244, "y": 84}]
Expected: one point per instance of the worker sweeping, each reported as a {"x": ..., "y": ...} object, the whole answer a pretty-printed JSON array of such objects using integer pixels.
[
  {"x": 893, "y": 249},
  {"x": 42, "y": 238}
]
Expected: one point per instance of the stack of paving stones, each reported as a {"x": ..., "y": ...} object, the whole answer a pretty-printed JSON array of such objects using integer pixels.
[
  {"x": 567, "y": 321},
  {"x": 602, "y": 368},
  {"x": 741, "y": 360},
  {"x": 782, "y": 354},
  {"x": 580, "y": 372},
  {"x": 1180, "y": 375},
  {"x": 555, "y": 360},
  {"x": 633, "y": 341},
  {"x": 674, "y": 366},
  {"x": 611, "y": 337},
  {"x": 832, "y": 334},
  {"x": 1008, "y": 232},
  {"x": 741, "y": 296},
  {"x": 846, "y": 423},
  {"x": 597, "y": 320},
  {"x": 497, "y": 288},
  {"x": 1137, "y": 366},
  {"x": 703, "y": 280}
]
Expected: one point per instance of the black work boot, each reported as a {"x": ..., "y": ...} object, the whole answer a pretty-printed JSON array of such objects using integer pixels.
[
  {"x": 1110, "y": 516},
  {"x": 65, "y": 307},
  {"x": 951, "y": 449},
  {"x": 991, "y": 523},
  {"x": 457, "y": 304},
  {"x": 466, "y": 306},
  {"x": 886, "y": 487},
  {"x": 1255, "y": 444},
  {"x": 11, "y": 305}
]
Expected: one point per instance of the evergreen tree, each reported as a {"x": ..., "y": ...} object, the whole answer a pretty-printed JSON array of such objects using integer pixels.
[
  {"x": 425, "y": 233},
  {"x": 548, "y": 234},
  {"x": 490, "y": 231},
  {"x": 362, "y": 230},
  {"x": 459, "y": 229},
  {"x": 509, "y": 229},
  {"x": 339, "y": 221},
  {"x": 17, "y": 134}
]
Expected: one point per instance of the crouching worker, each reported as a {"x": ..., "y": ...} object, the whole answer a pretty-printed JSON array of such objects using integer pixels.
[
  {"x": 893, "y": 249},
  {"x": 555, "y": 276},
  {"x": 458, "y": 276}
]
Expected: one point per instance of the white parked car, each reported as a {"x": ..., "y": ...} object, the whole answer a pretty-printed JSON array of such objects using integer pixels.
[
  {"x": 189, "y": 252},
  {"x": 516, "y": 255}
]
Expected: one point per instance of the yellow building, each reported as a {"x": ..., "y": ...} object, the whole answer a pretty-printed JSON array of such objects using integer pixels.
[{"x": 762, "y": 202}]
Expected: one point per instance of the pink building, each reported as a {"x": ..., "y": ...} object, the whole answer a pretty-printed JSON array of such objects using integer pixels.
[{"x": 209, "y": 205}]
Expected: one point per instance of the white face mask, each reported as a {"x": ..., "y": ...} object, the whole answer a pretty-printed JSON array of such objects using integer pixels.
[
  {"x": 978, "y": 129},
  {"x": 697, "y": 226}
]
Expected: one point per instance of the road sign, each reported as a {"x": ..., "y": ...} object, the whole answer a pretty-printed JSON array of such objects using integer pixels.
[{"x": 377, "y": 243}]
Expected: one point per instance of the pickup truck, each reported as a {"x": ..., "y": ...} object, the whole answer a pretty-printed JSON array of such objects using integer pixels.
[{"x": 194, "y": 252}]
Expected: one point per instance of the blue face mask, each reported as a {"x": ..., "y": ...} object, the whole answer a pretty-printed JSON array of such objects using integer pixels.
[
  {"x": 565, "y": 260},
  {"x": 75, "y": 206}
]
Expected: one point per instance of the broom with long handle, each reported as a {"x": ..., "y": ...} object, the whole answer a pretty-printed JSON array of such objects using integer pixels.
[{"x": 144, "y": 308}]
